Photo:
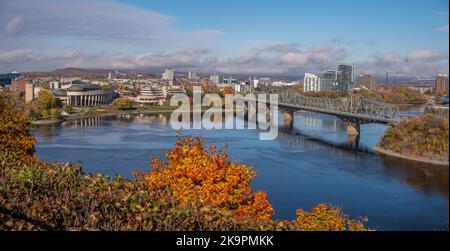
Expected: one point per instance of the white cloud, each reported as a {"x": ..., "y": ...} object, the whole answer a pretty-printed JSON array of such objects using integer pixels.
[
  {"x": 443, "y": 28},
  {"x": 104, "y": 20},
  {"x": 13, "y": 26}
]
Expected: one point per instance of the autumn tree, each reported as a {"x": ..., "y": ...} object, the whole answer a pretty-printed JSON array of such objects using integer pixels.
[
  {"x": 192, "y": 170},
  {"x": 123, "y": 103},
  {"x": 46, "y": 100},
  {"x": 227, "y": 90},
  {"x": 14, "y": 133}
]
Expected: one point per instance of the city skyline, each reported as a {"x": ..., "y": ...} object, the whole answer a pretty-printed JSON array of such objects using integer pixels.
[{"x": 406, "y": 38}]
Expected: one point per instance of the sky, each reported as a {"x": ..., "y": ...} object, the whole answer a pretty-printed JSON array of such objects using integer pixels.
[{"x": 250, "y": 37}]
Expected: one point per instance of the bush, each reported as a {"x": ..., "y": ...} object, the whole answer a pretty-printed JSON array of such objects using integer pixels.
[
  {"x": 327, "y": 218},
  {"x": 45, "y": 113},
  {"x": 67, "y": 108},
  {"x": 54, "y": 113}
]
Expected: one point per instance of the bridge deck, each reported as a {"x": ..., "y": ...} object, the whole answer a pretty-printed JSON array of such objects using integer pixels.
[{"x": 357, "y": 109}]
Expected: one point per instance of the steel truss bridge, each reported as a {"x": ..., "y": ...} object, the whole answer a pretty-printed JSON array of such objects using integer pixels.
[{"x": 354, "y": 110}]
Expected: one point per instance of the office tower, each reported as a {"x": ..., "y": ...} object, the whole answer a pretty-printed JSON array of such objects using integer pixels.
[
  {"x": 346, "y": 77},
  {"x": 441, "y": 84}
]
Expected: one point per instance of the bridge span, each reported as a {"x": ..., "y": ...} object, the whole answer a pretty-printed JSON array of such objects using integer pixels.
[{"x": 354, "y": 110}]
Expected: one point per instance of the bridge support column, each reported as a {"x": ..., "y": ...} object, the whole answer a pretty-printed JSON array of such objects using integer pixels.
[
  {"x": 353, "y": 128},
  {"x": 288, "y": 117}
]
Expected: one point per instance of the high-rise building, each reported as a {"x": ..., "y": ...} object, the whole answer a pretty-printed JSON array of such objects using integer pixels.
[
  {"x": 441, "y": 84},
  {"x": 329, "y": 80},
  {"x": 168, "y": 74},
  {"x": 311, "y": 83},
  {"x": 346, "y": 77},
  {"x": 367, "y": 80}
]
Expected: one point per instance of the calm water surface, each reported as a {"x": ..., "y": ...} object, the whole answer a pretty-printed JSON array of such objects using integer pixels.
[{"x": 316, "y": 162}]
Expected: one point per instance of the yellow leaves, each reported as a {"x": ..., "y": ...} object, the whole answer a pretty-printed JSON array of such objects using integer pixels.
[
  {"x": 326, "y": 218},
  {"x": 14, "y": 128}
]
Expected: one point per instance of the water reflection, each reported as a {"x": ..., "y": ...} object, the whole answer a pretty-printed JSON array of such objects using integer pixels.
[
  {"x": 421, "y": 176},
  {"x": 424, "y": 177}
]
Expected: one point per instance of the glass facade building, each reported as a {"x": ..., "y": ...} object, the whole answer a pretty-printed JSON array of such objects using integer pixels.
[{"x": 346, "y": 77}]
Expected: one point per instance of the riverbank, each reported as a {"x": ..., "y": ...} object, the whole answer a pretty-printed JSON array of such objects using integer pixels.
[
  {"x": 390, "y": 153},
  {"x": 101, "y": 114}
]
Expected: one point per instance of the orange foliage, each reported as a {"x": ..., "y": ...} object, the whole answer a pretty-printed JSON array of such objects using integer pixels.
[
  {"x": 325, "y": 218},
  {"x": 192, "y": 170}
]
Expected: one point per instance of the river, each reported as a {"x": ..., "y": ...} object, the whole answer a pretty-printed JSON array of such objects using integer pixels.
[{"x": 313, "y": 163}]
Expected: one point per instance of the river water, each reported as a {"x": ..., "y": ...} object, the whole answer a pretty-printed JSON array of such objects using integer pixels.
[{"x": 313, "y": 163}]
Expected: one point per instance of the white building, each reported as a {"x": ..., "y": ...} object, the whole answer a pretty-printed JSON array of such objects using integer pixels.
[
  {"x": 150, "y": 95},
  {"x": 255, "y": 83},
  {"x": 214, "y": 79},
  {"x": 264, "y": 82},
  {"x": 311, "y": 83},
  {"x": 283, "y": 84},
  {"x": 168, "y": 74},
  {"x": 192, "y": 75},
  {"x": 55, "y": 85},
  {"x": 243, "y": 87}
]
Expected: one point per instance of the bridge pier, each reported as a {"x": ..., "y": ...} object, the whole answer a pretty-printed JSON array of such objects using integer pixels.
[
  {"x": 352, "y": 128},
  {"x": 288, "y": 119}
]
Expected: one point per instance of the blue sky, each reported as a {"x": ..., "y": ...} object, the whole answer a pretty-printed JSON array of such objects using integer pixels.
[
  {"x": 399, "y": 25},
  {"x": 264, "y": 37}
]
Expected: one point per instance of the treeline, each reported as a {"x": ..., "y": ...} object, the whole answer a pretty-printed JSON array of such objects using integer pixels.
[
  {"x": 420, "y": 136},
  {"x": 194, "y": 188},
  {"x": 396, "y": 95}
]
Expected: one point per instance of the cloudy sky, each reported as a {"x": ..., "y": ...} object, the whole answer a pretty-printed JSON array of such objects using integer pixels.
[{"x": 254, "y": 37}]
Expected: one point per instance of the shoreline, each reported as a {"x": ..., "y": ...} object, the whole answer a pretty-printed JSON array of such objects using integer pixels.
[
  {"x": 390, "y": 153},
  {"x": 76, "y": 116}
]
